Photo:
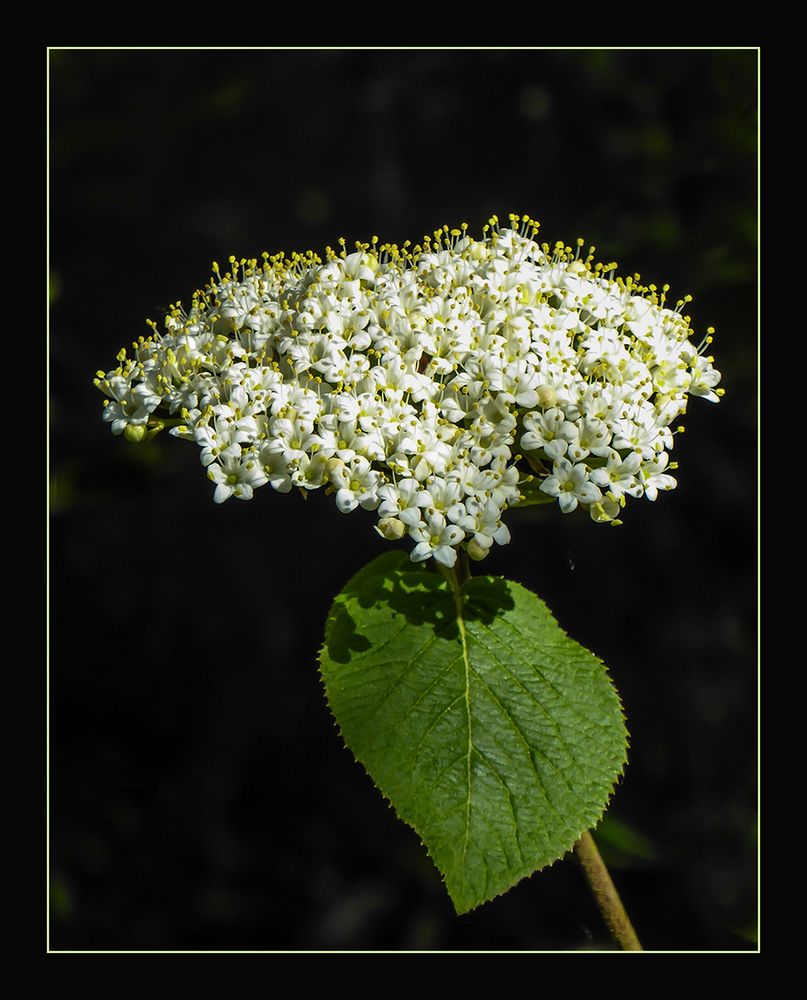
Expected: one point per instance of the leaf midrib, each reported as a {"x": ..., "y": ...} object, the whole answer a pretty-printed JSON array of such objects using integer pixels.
[{"x": 455, "y": 587}]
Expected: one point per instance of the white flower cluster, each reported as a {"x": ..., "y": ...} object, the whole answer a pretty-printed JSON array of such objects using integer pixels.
[{"x": 437, "y": 385}]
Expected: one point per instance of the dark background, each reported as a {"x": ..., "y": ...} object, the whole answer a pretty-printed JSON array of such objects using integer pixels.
[{"x": 200, "y": 796}]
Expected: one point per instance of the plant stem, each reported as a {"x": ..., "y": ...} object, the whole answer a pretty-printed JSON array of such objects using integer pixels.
[
  {"x": 463, "y": 567},
  {"x": 613, "y": 912},
  {"x": 459, "y": 572}
]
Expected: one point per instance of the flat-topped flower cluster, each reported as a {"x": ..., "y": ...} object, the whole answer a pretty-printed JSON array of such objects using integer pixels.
[{"x": 437, "y": 385}]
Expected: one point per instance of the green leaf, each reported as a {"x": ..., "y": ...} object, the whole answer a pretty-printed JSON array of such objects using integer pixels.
[
  {"x": 532, "y": 494},
  {"x": 493, "y": 734}
]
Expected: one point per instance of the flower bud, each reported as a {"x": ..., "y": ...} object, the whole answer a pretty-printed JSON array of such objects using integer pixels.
[
  {"x": 546, "y": 396},
  {"x": 476, "y": 551},
  {"x": 135, "y": 433},
  {"x": 391, "y": 528}
]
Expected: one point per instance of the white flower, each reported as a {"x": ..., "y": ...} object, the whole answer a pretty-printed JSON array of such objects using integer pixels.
[
  {"x": 237, "y": 477},
  {"x": 619, "y": 475},
  {"x": 592, "y": 438},
  {"x": 654, "y": 478},
  {"x": 435, "y": 537},
  {"x": 357, "y": 483},
  {"x": 605, "y": 511},
  {"x": 703, "y": 379},
  {"x": 131, "y": 405},
  {"x": 404, "y": 501},
  {"x": 218, "y": 443},
  {"x": 549, "y": 431},
  {"x": 571, "y": 485},
  {"x": 483, "y": 521}
]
